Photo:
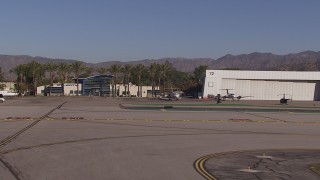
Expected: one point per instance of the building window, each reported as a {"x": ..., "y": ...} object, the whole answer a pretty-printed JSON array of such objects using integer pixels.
[{"x": 97, "y": 85}]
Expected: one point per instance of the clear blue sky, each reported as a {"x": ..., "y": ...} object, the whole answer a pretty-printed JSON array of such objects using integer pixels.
[{"x": 127, "y": 30}]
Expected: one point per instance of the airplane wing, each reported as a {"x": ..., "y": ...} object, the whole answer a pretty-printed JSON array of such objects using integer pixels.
[
  {"x": 240, "y": 97},
  {"x": 7, "y": 94}
]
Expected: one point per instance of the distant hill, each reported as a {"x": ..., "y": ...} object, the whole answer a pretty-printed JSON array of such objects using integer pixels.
[
  {"x": 304, "y": 61},
  {"x": 307, "y": 60}
]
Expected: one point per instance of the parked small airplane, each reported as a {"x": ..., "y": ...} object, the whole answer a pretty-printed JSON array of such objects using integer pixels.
[
  {"x": 7, "y": 94},
  {"x": 174, "y": 95},
  {"x": 231, "y": 96}
]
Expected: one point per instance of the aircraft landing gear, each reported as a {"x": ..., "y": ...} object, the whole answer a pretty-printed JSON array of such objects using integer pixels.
[{"x": 219, "y": 98}]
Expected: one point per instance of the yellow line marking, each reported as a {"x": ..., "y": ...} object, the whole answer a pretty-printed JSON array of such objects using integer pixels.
[
  {"x": 199, "y": 165},
  {"x": 181, "y": 120}
]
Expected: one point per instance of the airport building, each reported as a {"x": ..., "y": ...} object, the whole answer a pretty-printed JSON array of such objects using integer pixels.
[
  {"x": 263, "y": 85},
  {"x": 8, "y": 86},
  {"x": 70, "y": 89},
  {"x": 133, "y": 90},
  {"x": 98, "y": 85}
]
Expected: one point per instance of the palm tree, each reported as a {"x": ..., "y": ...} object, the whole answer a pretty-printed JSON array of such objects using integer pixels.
[
  {"x": 2, "y": 86},
  {"x": 164, "y": 70},
  {"x": 158, "y": 75},
  {"x": 199, "y": 75},
  {"x": 114, "y": 69},
  {"x": 51, "y": 68},
  {"x": 152, "y": 73},
  {"x": 36, "y": 70},
  {"x": 101, "y": 70},
  {"x": 89, "y": 71},
  {"x": 127, "y": 71},
  {"x": 77, "y": 68},
  {"x": 139, "y": 70},
  {"x": 63, "y": 70},
  {"x": 23, "y": 73},
  {"x": 20, "y": 71}
]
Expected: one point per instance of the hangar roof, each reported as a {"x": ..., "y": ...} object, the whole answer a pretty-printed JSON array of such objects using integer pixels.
[{"x": 264, "y": 75}]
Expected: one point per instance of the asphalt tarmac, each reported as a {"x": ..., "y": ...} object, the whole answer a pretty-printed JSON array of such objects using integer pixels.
[{"x": 107, "y": 138}]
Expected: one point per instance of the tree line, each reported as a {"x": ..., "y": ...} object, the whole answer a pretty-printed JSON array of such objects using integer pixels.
[{"x": 162, "y": 77}]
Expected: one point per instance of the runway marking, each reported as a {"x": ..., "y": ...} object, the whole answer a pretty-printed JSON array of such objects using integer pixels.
[
  {"x": 232, "y": 120},
  {"x": 199, "y": 166},
  {"x": 315, "y": 168},
  {"x": 186, "y": 120},
  {"x": 9, "y": 139},
  {"x": 200, "y": 162}
]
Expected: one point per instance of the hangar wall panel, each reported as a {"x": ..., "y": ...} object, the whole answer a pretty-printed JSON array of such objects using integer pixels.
[
  {"x": 243, "y": 88},
  {"x": 264, "y": 85},
  {"x": 228, "y": 84},
  {"x": 271, "y": 90},
  {"x": 300, "y": 91},
  {"x": 257, "y": 89},
  {"x": 284, "y": 88},
  {"x": 210, "y": 85}
]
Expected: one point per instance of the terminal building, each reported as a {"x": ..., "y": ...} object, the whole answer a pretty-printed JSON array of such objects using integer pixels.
[
  {"x": 98, "y": 85},
  {"x": 263, "y": 85}
]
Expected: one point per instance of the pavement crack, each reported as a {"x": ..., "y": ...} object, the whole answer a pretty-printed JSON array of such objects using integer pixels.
[
  {"x": 16, "y": 173},
  {"x": 266, "y": 117}
]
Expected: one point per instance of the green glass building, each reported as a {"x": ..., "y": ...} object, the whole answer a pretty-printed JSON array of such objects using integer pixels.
[{"x": 98, "y": 85}]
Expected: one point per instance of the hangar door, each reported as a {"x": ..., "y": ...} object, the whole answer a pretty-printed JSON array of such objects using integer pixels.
[
  {"x": 303, "y": 91},
  {"x": 243, "y": 88},
  {"x": 270, "y": 90},
  {"x": 257, "y": 89},
  {"x": 227, "y": 84}
]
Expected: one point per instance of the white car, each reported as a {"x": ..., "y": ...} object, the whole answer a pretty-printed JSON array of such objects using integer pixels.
[{"x": 2, "y": 100}]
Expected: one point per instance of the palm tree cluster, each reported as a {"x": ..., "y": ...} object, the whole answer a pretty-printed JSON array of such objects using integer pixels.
[
  {"x": 1, "y": 79},
  {"x": 162, "y": 77},
  {"x": 30, "y": 75}
]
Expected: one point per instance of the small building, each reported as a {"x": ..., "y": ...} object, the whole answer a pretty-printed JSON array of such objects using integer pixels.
[
  {"x": 263, "y": 85},
  {"x": 70, "y": 89},
  {"x": 8, "y": 86},
  {"x": 133, "y": 90},
  {"x": 98, "y": 85}
]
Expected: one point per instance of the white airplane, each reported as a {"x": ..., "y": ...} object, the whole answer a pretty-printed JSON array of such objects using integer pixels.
[
  {"x": 174, "y": 95},
  {"x": 232, "y": 96},
  {"x": 7, "y": 94}
]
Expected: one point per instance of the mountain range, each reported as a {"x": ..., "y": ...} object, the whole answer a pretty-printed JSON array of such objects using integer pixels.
[{"x": 303, "y": 61}]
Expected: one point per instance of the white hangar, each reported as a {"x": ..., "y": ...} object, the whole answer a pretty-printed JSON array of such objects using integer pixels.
[{"x": 263, "y": 85}]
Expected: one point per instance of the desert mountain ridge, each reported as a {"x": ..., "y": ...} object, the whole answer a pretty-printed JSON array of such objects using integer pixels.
[{"x": 302, "y": 61}]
